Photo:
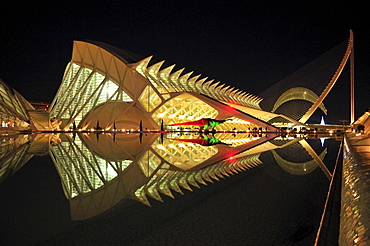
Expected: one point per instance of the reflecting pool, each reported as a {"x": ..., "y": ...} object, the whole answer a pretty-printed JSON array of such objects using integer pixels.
[{"x": 177, "y": 188}]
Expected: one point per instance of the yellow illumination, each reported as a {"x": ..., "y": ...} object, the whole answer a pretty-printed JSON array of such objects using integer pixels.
[{"x": 160, "y": 146}]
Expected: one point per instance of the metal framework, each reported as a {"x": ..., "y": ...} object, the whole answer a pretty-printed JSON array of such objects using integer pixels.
[
  {"x": 13, "y": 109},
  {"x": 101, "y": 88},
  {"x": 13, "y": 153}
]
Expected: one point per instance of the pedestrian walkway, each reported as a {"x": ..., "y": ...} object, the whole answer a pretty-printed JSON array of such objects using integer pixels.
[{"x": 355, "y": 212}]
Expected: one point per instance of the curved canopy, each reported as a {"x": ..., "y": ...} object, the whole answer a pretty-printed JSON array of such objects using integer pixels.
[{"x": 298, "y": 93}]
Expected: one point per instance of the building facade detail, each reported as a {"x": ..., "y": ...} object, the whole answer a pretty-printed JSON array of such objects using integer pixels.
[{"x": 101, "y": 88}]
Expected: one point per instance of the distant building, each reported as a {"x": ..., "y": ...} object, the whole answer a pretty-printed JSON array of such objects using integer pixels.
[
  {"x": 41, "y": 105},
  {"x": 13, "y": 110},
  {"x": 17, "y": 114}
]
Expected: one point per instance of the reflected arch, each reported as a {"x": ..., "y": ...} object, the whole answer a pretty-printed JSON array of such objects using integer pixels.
[{"x": 298, "y": 168}]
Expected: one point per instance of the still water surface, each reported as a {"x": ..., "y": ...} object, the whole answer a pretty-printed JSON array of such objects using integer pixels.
[{"x": 169, "y": 189}]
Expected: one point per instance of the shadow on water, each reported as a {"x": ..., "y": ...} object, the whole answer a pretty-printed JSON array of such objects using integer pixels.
[{"x": 166, "y": 188}]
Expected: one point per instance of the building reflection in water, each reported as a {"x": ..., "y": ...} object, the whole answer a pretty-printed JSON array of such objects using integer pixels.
[
  {"x": 17, "y": 149},
  {"x": 99, "y": 171}
]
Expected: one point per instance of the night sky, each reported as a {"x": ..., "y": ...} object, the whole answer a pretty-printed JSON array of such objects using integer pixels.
[{"x": 248, "y": 44}]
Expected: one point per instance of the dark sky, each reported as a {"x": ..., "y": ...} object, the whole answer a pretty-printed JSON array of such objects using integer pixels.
[{"x": 248, "y": 44}]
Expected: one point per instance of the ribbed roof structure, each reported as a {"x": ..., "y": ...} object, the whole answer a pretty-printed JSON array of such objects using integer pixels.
[
  {"x": 13, "y": 109},
  {"x": 101, "y": 87}
]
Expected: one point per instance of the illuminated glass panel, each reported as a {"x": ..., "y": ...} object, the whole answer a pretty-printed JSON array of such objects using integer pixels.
[
  {"x": 149, "y": 162},
  {"x": 149, "y": 99},
  {"x": 81, "y": 171},
  {"x": 166, "y": 96},
  {"x": 232, "y": 141},
  {"x": 184, "y": 155},
  {"x": 13, "y": 150},
  {"x": 166, "y": 84},
  {"x": 235, "y": 123},
  {"x": 183, "y": 109},
  {"x": 83, "y": 89},
  {"x": 10, "y": 104}
]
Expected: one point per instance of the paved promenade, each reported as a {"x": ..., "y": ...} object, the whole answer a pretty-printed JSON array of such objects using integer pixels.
[{"x": 355, "y": 213}]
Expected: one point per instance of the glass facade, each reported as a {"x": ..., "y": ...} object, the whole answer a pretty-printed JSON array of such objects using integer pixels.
[
  {"x": 184, "y": 108},
  {"x": 81, "y": 170},
  {"x": 81, "y": 90},
  {"x": 149, "y": 99},
  {"x": 153, "y": 96},
  {"x": 13, "y": 115}
]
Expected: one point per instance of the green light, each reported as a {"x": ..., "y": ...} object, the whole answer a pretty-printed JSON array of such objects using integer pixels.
[
  {"x": 213, "y": 124},
  {"x": 213, "y": 140}
]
